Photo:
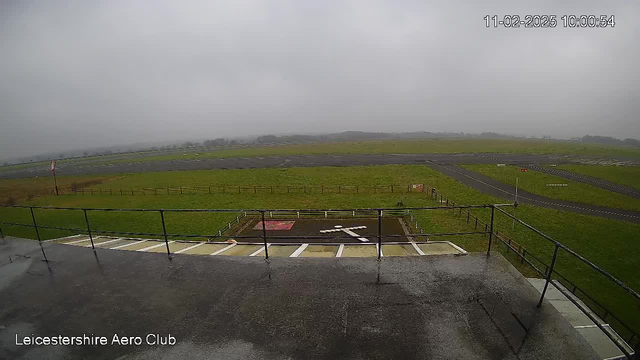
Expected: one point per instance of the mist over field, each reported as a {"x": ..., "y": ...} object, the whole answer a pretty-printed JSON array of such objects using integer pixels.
[{"x": 79, "y": 74}]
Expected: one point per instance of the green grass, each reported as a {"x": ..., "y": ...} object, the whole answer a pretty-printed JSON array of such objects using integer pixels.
[
  {"x": 625, "y": 175},
  {"x": 535, "y": 182},
  {"x": 609, "y": 243},
  {"x": 20, "y": 189},
  {"x": 453, "y": 145},
  {"x": 508, "y": 146}
]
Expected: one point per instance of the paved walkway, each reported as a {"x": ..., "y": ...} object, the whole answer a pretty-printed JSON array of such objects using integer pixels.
[{"x": 601, "y": 343}]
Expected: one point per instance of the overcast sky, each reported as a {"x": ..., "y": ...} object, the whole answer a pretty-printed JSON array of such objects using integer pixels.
[{"x": 77, "y": 74}]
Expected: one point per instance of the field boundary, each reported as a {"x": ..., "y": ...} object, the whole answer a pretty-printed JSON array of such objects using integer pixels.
[{"x": 244, "y": 189}]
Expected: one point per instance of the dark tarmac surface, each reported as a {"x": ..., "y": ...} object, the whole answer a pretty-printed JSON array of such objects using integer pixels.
[
  {"x": 490, "y": 186},
  {"x": 430, "y": 307},
  {"x": 65, "y": 169},
  {"x": 307, "y": 227}
]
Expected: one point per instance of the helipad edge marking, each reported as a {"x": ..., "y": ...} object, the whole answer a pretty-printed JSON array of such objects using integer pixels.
[
  {"x": 154, "y": 246},
  {"x": 75, "y": 242},
  {"x": 189, "y": 248},
  {"x": 340, "y": 250},
  {"x": 259, "y": 250},
  {"x": 223, "y": 249},
  {"x": 417, "y": 248},
  {"x": 125, "y": 245},
  {"x": 106, "y": 242},
  {"x": 299, "y": 250}
]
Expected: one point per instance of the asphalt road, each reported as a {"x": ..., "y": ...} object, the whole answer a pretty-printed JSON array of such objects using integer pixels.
[
  {"x": 490, "y": 186},
  {"x": 64, "y": 169}
]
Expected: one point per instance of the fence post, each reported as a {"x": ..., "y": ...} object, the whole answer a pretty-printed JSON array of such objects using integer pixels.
[
  {"x": 180, "y": 190},
  {"x": 468, "y": 216},
  {"x": 339, "y": 189},
  {"x": 209, "y": 189},
  {"x": 322, "y": 189},
  {"x": 549, "y": 274},
  {"x": 254, "y": 190},
  {"x": 379, "y": 234},
  {"x": 86, "y": 220},
  {"x": 35, "y": 225},
  {"x": 264, "y": 236},
  {"x": 391, "y": 188},
  {"x": 493, "y": 210},
  {"x": 164, "y": 232}
]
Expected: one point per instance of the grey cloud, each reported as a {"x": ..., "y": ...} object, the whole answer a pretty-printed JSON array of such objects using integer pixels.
[{"x": 77, "y": 73}]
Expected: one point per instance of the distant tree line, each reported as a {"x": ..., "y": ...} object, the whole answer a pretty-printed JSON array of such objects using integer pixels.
[
  {"x": 299, "y": 138},
  {"x": 608, "y": 140}
]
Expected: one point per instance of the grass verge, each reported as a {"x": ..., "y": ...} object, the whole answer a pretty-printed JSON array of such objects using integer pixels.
[{"x": 536, "y": 182}]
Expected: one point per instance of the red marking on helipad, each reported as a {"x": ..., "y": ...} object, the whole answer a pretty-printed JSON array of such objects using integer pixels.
[{"x": 274, "y": 225}]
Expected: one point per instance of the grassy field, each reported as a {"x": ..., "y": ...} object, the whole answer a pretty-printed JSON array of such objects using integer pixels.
[
  {"x": 535, "y": 182},
  {"x": 611, "y": 244},
  {"x": 508, "y": 146},
  {"x": 16, "y": 190},
  {"x": 625, "y": 175}
]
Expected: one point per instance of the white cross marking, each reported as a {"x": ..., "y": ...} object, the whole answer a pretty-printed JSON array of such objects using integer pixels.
[{"x": 348, "y": 231}]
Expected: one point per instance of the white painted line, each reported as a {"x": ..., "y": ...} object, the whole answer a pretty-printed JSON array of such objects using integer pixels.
[
  {"x": 355, "y": 235},
  {"x": 340, "y": 250},
  {"x": 259, "y": 250},
  {"x": 154, "y": 246},
  {"x": 65, "y": 238},
  {"x": 105, "y": 242},
  {"x": 299, "y": 250},
  {"x": 462, "y": 251},
  {"x": 342, "y": 229},
  {"x": 415, "y": 246},
  {"x": 125, "y": 245},
  {"x": 223, "y": 249},
  {"x": 77, "y": 241},
  {"x": 189, "y": 248}
]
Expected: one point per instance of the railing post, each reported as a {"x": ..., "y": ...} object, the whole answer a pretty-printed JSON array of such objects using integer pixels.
[
  {"x": 86, "y": 220},
  {"x": 35, "y": 225},
  {"x": 549, "y": 274},
  {"x": 493, "y": 211},
  {"x": 264, "y": 236},
  {"x": 379, "y": 234},
  {"x": 164, "y": 232}
]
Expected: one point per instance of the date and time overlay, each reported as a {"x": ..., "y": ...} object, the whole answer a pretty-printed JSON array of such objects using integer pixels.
[{"x": 550, "y": 21}]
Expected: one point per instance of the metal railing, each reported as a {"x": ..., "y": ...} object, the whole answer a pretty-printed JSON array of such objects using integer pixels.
[
  {"x": 632, "y": 338},
  {"x": 245, "y": 189},
  {"x": 378, "y": 213}
]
